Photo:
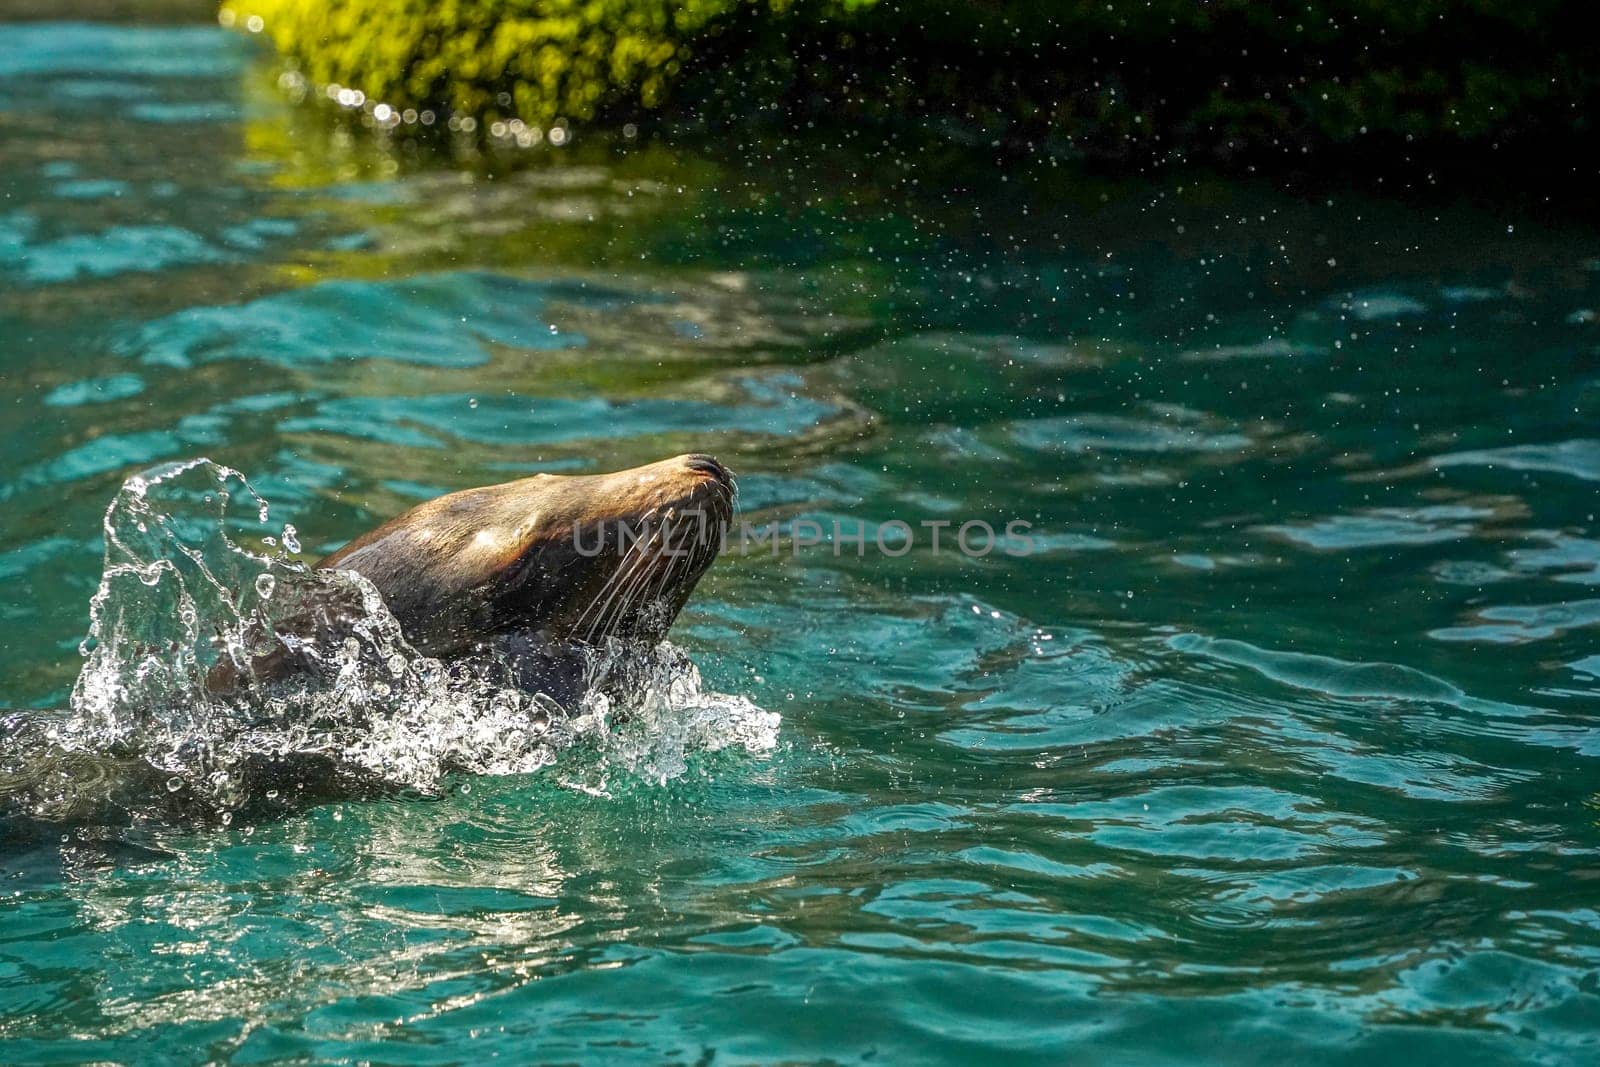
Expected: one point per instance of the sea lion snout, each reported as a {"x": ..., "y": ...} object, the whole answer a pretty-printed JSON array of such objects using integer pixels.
[
  {"x": 663, "y": 483},
  {"x": 693, "y": 486},
  {"x": 709, "y": 465}
]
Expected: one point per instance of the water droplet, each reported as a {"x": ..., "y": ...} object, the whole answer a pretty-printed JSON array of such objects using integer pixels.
[
  {"x": 472, "y": 402},
  {"x": 265, "y": 584},
  {"x": 291, "y": 537},
  {"x": 174, "y": 784}
]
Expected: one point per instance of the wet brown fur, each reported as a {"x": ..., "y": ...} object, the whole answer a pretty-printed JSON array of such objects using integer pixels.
[{"x": 505, "y": 558}]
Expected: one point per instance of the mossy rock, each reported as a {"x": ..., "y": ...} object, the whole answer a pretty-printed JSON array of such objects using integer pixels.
[
  {"x": 535, "y": 60},
  {"x": 1137, "y": 80}
]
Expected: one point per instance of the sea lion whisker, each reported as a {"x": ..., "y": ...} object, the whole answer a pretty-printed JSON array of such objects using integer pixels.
[
  {"x": 646, "y": 550},
  {"x": 647, "y": 591},
  {"x": 608, "y": 618},
  {"x": 627, "y": 560},
  {"x": 732, "y": 491},
  {"x": 630, "y": 595},
  {"x": 704, "y": 550},
  {"x": 681, "y": 546},
  {"x": 683, "y": 560},
  {"x": 638, "y": 549},
  {"x": 609, "y": 623},
  {"x": 602, "y": 597},
  {"x": 675, "y": 553}
]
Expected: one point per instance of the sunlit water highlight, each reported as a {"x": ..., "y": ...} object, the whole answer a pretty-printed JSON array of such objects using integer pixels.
[{"x": 1281, "y": 748}]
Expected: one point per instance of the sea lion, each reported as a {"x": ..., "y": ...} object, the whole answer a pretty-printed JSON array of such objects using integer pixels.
[
  {"x": 524, "y": 580},
  {"x": 552, "y": 557},
  {"x": 527, "y": 575}
]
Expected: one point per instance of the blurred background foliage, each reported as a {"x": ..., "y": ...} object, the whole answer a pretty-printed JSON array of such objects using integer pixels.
[{"x": 1229, "y": 80}]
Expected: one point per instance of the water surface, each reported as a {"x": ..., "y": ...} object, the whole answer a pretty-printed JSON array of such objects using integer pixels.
[{"x": 1280, "y": 745}]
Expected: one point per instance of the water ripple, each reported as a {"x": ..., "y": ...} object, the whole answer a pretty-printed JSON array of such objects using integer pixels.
[{"x": 401, "y": 321}]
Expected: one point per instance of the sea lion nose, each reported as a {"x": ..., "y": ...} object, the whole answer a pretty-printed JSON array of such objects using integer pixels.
[{"x": 704, "y": 464}]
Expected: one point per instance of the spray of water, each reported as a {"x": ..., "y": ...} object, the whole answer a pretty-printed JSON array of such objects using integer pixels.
[{"x": 198, "y": 594}]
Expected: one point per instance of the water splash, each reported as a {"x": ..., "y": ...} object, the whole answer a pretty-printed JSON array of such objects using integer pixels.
[{"x": 191, "y": 622}]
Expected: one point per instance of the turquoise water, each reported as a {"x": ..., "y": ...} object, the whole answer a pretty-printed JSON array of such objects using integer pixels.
[{"x": 1280, "y": 747}]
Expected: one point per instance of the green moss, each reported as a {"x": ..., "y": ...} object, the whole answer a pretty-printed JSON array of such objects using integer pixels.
[
  {"x": 1131, "y": 79},
  {"x": 536, "y": 60}
]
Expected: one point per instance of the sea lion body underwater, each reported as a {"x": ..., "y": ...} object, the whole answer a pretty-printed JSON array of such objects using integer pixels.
[{"x": 529, "y": 575}]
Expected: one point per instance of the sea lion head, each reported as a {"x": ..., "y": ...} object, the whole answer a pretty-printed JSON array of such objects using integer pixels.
[{"x": 557, "y": 558}]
